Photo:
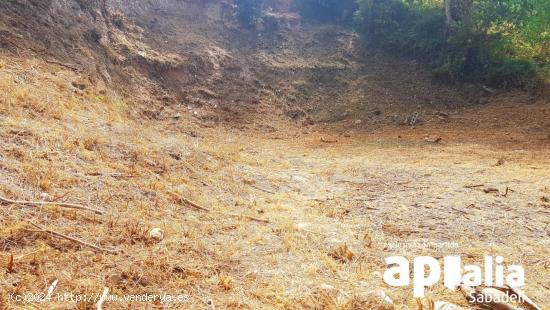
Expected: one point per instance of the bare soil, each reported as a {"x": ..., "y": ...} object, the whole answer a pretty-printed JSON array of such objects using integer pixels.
[{"x": 315, "y": 159}]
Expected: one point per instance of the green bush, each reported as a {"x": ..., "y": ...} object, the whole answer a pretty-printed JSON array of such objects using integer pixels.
[
  {"x": 380, "y": 17},
  {"x": 494, "y": 45},
  {"x": 511, "y": 73}
]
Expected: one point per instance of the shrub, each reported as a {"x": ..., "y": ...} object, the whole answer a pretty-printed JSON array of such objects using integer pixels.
[{"x": 490, "y": 46}]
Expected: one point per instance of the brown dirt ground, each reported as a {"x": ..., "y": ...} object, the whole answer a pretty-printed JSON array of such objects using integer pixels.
[{"x": 366, "y": 190}]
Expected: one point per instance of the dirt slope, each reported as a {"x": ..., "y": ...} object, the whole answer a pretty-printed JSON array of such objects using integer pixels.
[{"x": 140, "y": 106}]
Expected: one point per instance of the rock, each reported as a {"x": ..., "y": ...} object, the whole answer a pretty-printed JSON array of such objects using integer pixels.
[
  {"x": 156, "y": 234},
  {"x": 358, "y": 122},
  {"x": 177, "y": 116},
  {"x": 46, "y": 197}
]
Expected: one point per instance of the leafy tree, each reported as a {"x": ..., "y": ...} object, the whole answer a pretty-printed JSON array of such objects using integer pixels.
[{"x": 505, "y": 42}]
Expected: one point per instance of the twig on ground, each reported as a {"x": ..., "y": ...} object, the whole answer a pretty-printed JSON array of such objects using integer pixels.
[
  {"x": 474, "y": 186},
  {"x": 110, "y": 174},
  {"x": 263, "y": 189},
  {"x": 325, "y": 140},
  {"x": 255, "y": 219},
  {"x": 196, "y": 206},
  {"x": 531, "y": 229},
  {"x": 10, "y": 264},
  {"x": 50, "y": 203},
  {"x": 458, "y": 210},
  {"x": 192, "y": 204},
  {"x": 60, "y": 235},
  {"x": 489, "y": 190}
]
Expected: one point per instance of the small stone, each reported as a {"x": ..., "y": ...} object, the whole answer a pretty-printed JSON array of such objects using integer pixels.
[
  {"x": 156, "y": 234},
  {"x": 252, "y": 274},
  {"x": 46, "y": 197},
  {"x": 327, "y": 287}
]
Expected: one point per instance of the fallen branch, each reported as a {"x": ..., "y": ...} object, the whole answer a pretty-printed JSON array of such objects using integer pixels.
[
  {"x": 111, "y": 174},
  {"x": 490, "y": 190},
  {"x": 461, "y": 211},
  {"x": 474, "y": 186},
  {"x": 48, "y": 203},
  {"x": 255, "y": 219},
  {"x": 193, "y": 204},
  {"x": 263, "y": 189},
  {"x": 60, "y": 235},
  {"x": 196, "y": 206}
]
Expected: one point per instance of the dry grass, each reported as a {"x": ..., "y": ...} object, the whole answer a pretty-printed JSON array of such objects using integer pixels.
[{"x": 323, "y": 246}]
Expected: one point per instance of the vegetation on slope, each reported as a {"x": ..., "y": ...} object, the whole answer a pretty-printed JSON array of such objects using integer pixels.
[
  {"x": 505, "y": 44},
  {"x": 474, "y": 41}
]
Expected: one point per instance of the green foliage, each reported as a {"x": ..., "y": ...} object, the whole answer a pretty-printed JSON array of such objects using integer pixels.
[
  {"x": 377, "y": 17},
  {"x": 327, "y": 11},
  {"x": 503, "y": 43},
  {"x": 249, "y": 11}
]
